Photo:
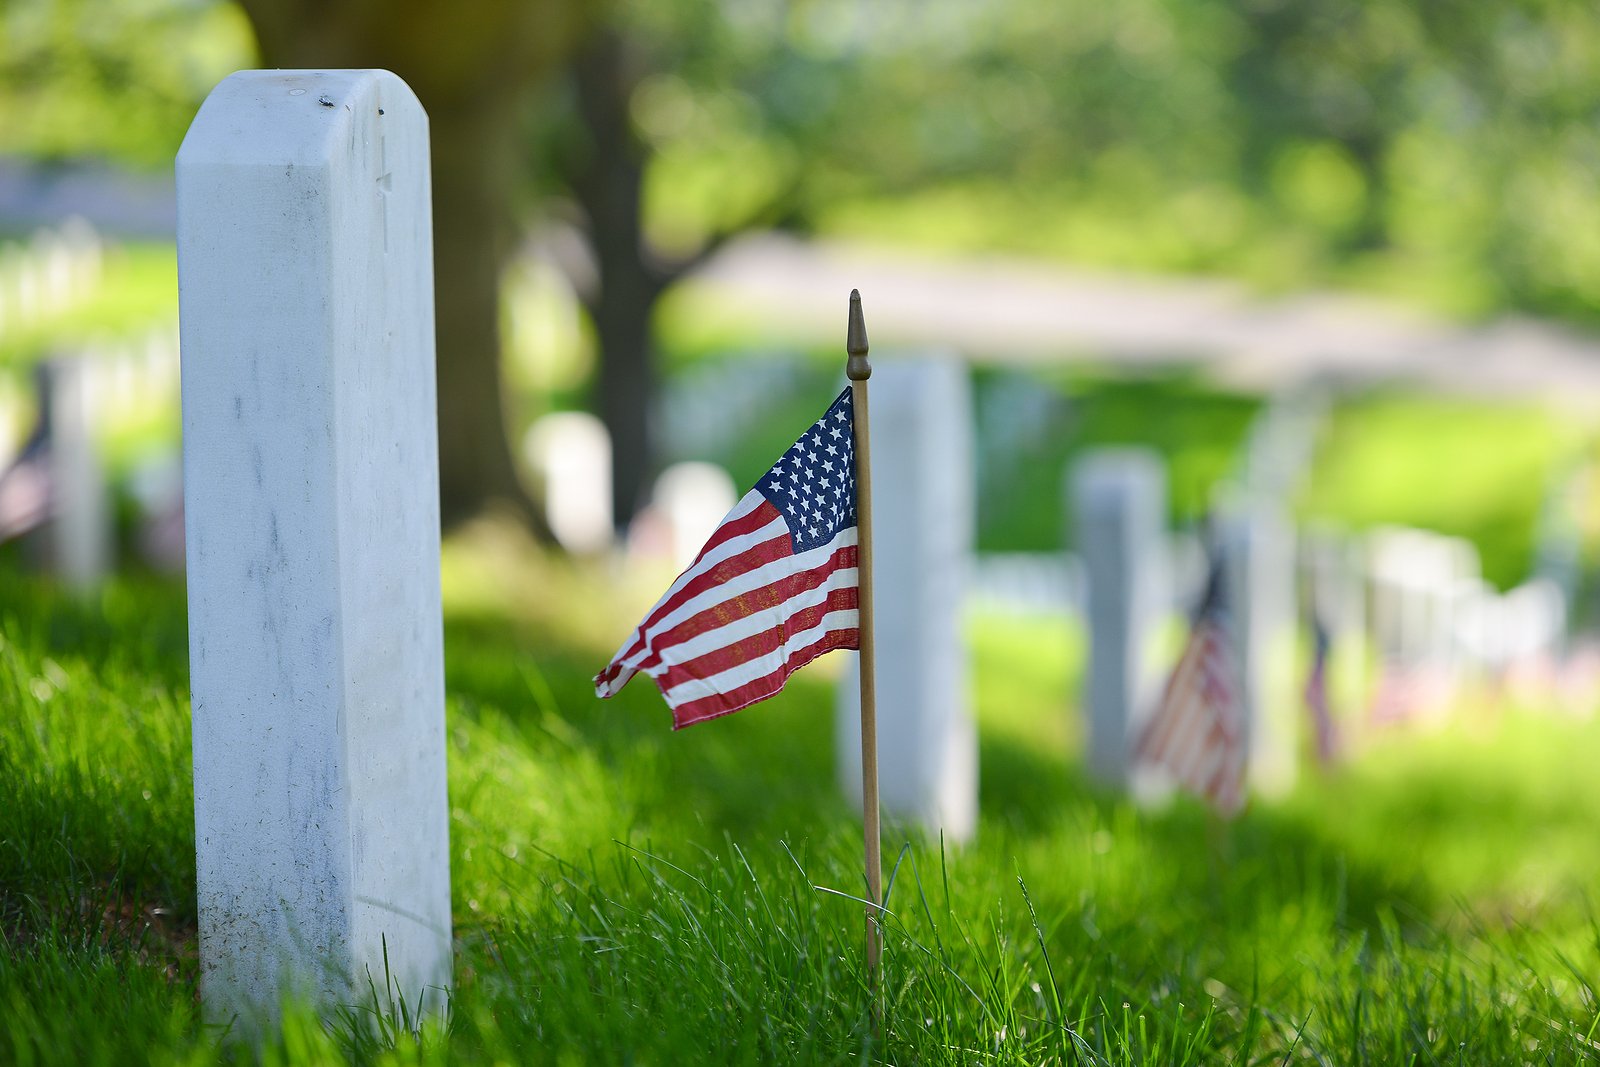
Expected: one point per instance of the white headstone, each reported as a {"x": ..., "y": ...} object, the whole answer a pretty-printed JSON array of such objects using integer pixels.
[
  {"x": 1257, "y": 540},
  {"x": 571, "y": 452},
  {"x": 1335, "y": 570},
  {"x": 28, "y": 287},
  {"x": 81, "y": 533},
  {"x": 690, "y": 499},
  {"x": 1120, "y": 499},
  {"x": 84, "y": 243},
  {"x": 305, "y": 274},
  {"x": 11, "y": 423},
  {"x": 1418, "y": 577},
  {"x": 923, "y": 514},
  {"x": 155, "y": 481}
]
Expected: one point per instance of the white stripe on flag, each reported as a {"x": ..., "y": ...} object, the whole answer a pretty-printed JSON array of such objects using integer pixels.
[
  {"x": 751, "y": 580},
  {"x": 756, "y": 623},
  {"x": 750, "y": 670}
]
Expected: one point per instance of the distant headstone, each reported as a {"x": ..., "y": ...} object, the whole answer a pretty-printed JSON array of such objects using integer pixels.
[
  {"x": 1533, "y": 621},
  {"x": 1120, "y": 499},
  {"x": 1558, "y": 542},
  {"x": 80, "y": 539},
  {"x": 12, "y": 422},
  {"x": 686, "y": 504},
  {"x": 311, "y": 495},
  {"x": 155, "y": 481},
  {"x": 1257, "y": 542},
  {"x": 1335, "y": 571},
  {"x": 571, "y": 453},
  {"x": 1421, "y": 580},
  {"x": 922, "y": 462}
]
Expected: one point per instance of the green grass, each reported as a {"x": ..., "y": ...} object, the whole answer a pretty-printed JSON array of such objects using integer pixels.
[
  {"x": 626, "y": 894},
  {"x": 137, "y": 291},
  {"x": 1472, "y": 468},
  {"x": 1467, "y": 468}
]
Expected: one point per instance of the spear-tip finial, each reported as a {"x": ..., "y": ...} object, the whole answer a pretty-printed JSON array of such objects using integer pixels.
[{"x": 857, "y": 369}]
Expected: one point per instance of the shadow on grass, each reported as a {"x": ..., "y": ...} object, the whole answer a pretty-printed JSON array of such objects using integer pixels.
[
  {"x": 1275, "y": 854},
  {"x": 96, "y": 804},
  {"x": 770, "y": 772}
]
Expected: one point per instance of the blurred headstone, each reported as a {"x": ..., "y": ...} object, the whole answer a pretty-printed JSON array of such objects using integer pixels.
[
  {"x": 571, "y": 453},
  {"x": 28, "y": 478},
  {"x": 13, "y": 421},
  {"x": 80, "y": 542},
  {"x": 1257, "y": 542},
  {"x": 1046, "y": 583},
  {"x": 311, "y": 493},
  {"x": 85, "y": 254},
  {"x": 686, "y": 504},
  {"x": 922, "y": 482},
  {"x": 1533, "y": 627},
  {"x": 1120, "y": 499},
  {"x": 1334, "y": 567},
  {"x": 156, "y": 484},
  {"x": 1425, "y": 598},
  {"x": 1403, "y": 565},
  {"x": 1558, "y": 543}
]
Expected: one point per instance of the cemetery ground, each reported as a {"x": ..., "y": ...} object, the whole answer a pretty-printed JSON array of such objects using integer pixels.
[{"x": 626, "y": 894}]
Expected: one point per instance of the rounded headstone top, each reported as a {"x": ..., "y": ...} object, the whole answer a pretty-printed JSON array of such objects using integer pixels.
[{"x": 294, "y": 117}]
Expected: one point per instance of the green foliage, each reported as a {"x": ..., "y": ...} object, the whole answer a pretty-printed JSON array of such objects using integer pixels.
[
  {"x": 1467, "y": 468},
  {"x": 1195, "y": 428},
  {"x": 111, "y": 79},
  {"x": 626, "y": 894},
  {"x": 1444, "y": 156},
  {"x": 138, "y": 290}
]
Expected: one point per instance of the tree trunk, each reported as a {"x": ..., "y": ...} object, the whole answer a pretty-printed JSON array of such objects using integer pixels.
[
  {"x": 471, "y": 64},
  {"x": 610, "y": 189},
  {"x": 474, "y": 170},
  {"x": 627, "y": 387}
]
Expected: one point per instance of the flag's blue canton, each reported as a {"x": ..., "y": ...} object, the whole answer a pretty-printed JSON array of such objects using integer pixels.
[{"x": 814, "y": 485}]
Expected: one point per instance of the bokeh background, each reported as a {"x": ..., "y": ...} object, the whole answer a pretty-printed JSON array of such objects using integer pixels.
[
  {"x": 1188, "y": 205},
  {"x": 1343, "y": 253}
]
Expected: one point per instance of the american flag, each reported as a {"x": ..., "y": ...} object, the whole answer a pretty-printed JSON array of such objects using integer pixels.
[
  {"x": 27, "y": 488},
  {"x": 1406, "y": 689},
  {"x": 1316, "y": 694},
  {"x": 774, "y": 588},
  {"x": 1197, "y": 731}
]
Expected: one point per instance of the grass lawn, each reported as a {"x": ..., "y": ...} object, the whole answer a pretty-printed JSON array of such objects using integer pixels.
[{"x": 626, "y": 894}]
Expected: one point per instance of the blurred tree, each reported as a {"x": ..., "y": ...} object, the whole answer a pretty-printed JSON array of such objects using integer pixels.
[
  {"x": 697, "y": 120},
  {"x": 472, "y": 65},
  {"x": 111, "y": 79},
  {"x": 1437, "y": 153},
  {"x": 1445, "y": 153},
  {"x": 606, "y": 175}
]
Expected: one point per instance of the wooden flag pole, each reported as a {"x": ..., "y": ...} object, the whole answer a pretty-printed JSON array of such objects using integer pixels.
[{"x": 859, "y": 370}]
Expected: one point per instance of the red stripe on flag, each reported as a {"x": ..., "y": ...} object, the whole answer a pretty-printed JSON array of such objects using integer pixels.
[
  {"x": 647, "y": 641},
  {"x": 720, "y": 704},
  {"x": 758, "y": 645},
  {"x": 1195, "y": 732},
  {"x": 753, "y": 607},
  {"x": 762, "y": 598},
  {"x": 758, "y": 517},
  {"x": 758, "y": 555}
]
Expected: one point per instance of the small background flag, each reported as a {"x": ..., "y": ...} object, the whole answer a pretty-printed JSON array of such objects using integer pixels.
[
  {"x": 774, "y": 588},
  {"x": 1406, "y": 691},
  {"x": 27, "y": 488},
  {"x": 1322, "y": 726},
  {"x": 1197, "y": 731}
]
